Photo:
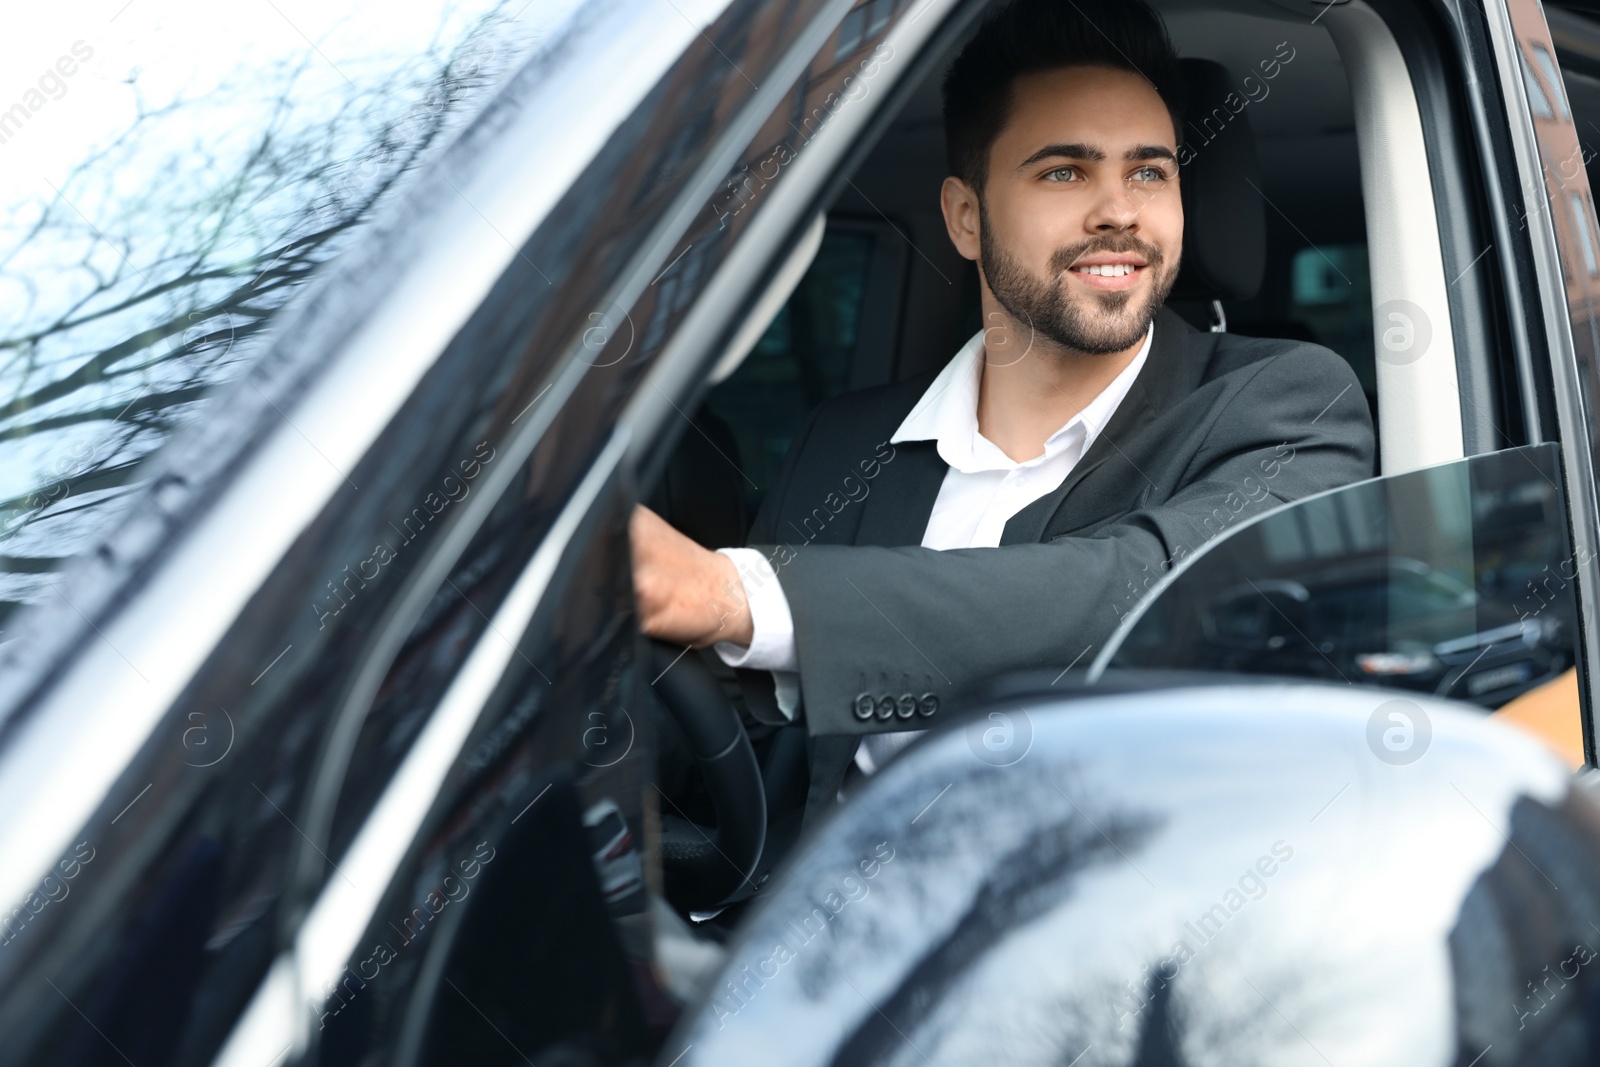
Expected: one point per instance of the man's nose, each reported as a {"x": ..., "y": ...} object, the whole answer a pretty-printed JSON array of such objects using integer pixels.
[{"x": 1116, "y": 208}]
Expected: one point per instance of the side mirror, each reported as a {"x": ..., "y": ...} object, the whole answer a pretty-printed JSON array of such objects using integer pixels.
[{"x": 1235, "y": 873}]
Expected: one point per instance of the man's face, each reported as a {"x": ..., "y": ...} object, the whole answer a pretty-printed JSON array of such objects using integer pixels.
[{"x": 1080, "y": 222}]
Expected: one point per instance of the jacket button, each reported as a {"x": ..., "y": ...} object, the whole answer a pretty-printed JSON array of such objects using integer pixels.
[
  {"x": 864, "y": 706},
  {"x": 886, "y": 707},
  {"x": 907, "y": 706},
  {"x": 927, "y": 705}
]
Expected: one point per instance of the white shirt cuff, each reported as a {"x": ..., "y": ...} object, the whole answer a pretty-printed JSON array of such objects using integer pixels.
[{"x": 772, "y": 644}]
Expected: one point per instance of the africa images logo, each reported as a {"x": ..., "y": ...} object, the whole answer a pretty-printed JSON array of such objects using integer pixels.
[
  {"x": 1404, "y": 332},
  {"x": 1399, "y": 732},
  {"x": 1001, "y": 738}
]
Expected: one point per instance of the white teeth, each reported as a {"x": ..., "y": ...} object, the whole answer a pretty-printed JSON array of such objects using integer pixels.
[{"x": 1109, "y": 270}]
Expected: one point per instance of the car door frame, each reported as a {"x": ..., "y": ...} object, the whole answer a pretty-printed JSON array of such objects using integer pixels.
[
  {"x": 276, "y": 1016},
  {"x": 245, "y": 489},
  {"x": 1567, "y": 297}
]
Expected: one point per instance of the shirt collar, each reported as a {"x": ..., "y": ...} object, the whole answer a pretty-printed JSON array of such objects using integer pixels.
[{"x": 947, "y": 412}]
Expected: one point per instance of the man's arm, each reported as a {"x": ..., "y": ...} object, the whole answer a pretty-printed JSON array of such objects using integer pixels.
[{"x": 888, "y": 621}]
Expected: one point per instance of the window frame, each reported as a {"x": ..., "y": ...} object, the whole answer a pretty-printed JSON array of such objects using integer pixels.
[
  {"x": 275, "y": 1009},
  {"x": 1566, "y": 302}
]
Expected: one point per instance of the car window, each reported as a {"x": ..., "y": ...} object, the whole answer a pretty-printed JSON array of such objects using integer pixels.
[
  {"x": 834, "y": 333},
  {"x": 163, "y": 198},
  {"x": 1455, "y": 580}
]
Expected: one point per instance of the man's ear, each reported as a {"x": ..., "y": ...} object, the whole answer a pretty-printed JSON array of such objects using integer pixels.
[{"x": 961, "y": 216}]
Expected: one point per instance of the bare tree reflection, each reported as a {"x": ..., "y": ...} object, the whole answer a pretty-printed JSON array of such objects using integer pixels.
[{"x": 147, "y": 276}]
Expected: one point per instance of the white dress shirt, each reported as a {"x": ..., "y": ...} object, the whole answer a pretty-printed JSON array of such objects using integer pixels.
[{"x": 983, "y": 489}]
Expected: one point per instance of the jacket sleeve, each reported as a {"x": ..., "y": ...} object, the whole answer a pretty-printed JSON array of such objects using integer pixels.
[{"x": 874, "y": 623}]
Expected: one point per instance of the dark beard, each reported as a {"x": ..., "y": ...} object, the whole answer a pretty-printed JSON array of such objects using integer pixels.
[{"x": 1112, "y": 326}]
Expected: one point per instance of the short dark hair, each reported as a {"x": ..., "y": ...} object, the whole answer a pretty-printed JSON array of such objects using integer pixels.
[{"x": 1026, "y": 36}]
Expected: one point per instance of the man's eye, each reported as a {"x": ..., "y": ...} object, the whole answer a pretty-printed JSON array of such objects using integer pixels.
[
  {"x": 1150, "y": 174},
  {"x": 1062, "y": 174}
]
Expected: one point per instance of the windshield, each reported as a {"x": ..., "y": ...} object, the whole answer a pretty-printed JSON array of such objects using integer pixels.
[
  {"x": 1456, "y": 580},
  {"x": 170, "y": 174}
]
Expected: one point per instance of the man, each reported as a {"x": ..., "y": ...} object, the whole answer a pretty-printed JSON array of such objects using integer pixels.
[{"x": 1083, "y": 442}]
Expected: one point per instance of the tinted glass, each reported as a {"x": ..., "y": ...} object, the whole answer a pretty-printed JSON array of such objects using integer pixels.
[
  {"x": 1455, "y": 580},
  {"x": 163, "y": 197},
  {"x": 517, "y": 923},
  {"x": 804, "y": 358}
]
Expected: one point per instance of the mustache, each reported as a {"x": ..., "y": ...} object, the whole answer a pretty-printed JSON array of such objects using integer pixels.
[{"x": 1063, "y": 258}]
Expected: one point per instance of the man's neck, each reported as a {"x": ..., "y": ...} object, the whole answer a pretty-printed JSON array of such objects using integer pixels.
[{"x": 1029, "y": 391}]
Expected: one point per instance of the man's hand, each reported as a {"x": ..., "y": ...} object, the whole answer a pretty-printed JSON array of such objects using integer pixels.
[{"x": 685, "y": 594}]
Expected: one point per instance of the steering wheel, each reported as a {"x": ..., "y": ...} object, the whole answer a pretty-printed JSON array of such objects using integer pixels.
[{"x": 705, "y": 867}]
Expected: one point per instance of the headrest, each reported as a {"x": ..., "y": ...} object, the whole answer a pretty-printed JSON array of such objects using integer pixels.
[{"x": 1225, "y": 227}]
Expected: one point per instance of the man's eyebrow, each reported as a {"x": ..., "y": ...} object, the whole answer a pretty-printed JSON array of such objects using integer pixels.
[
  {"x": 1064, "y": 151},
  {"x": 1090, "y": 153},
  {"x": 1149, "y": 151}
]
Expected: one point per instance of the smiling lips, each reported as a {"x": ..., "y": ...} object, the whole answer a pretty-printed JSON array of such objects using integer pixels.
[{"x": 1108, "y": 274}]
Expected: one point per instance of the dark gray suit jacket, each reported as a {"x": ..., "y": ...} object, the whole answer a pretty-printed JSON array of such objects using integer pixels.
[{"x": 1215, "y": 429}]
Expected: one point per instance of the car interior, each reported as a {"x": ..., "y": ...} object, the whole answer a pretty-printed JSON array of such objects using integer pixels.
[
  {"x": 886, "y": 296},
  {"x": 1304, "y": 218},
  {"x": 873, "y": 292}
]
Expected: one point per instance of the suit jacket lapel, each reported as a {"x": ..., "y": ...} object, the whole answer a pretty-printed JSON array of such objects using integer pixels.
[
  {"x": 1166, "y": 375},
  {"x": 896, "y": 512}
]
